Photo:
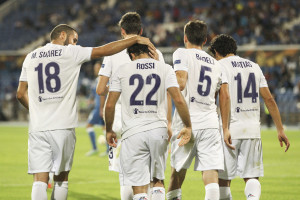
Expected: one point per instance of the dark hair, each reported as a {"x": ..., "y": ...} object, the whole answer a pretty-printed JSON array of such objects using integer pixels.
[
  {"x": 196, "y": 32},
  {"x": 55, "y": 33},
  {"x": 223, "y": 44},
  {"x": 131, "y": 22},
  {"x": 137, "y": 49}
]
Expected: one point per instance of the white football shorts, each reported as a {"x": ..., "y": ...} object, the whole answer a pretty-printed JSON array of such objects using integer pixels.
[
  {"x": 246, "y": 161},
  {"x": 51, "y": 151},
  {"x": 205, "y": 146},
  {"x": 143, "y": 157}
]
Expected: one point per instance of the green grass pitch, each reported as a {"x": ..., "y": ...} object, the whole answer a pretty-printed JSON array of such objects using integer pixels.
[{"x": 90, "y": 178}]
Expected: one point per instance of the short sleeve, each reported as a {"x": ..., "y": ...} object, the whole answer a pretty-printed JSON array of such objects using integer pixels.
[
  {"x": 23, "y": 76},
  {"x": 180, "y": 60},
  {"x": 262, "y": 81},
  {"x": 160, "y": 56},
  {"x": 171, "y": 80},
  {"x": 115, "y": 83},
  {"x": 106, "y": 67},
  {"x": 224, "y": 76},
  {"x": 81, "y": 54}
]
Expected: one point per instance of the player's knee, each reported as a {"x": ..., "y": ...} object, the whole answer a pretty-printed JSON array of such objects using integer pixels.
[{"x": 63, "y": 176}]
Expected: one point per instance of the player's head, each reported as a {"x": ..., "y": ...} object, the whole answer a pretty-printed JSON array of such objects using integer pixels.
[
  {"x": 223, "y": 45},
  {"x": 195, "y": 32},
  {"x": 65, "y": 34},
  {"x": 136, "y": 50},
  {"x": 131, "y": 23}
]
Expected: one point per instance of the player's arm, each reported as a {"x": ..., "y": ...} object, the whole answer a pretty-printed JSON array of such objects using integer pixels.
[
  {"x": 273, "y": 109},
  {"x": 181, "y": 78},
  {"x": 22, "y": 94},
  {"x": 184, "y": 114},
  {"x": 169, "y": 116},
  {"x": 117, "y": 46},
  {"x": 102, "y": 88},
  {"x": 224, "y": 102},
  {"x": 112, "y": 99},
  {"x": 102, "y": 102}
]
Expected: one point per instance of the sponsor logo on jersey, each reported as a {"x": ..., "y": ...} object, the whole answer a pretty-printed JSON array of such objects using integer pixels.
[
  {"x": 177, "y": 62},
  {"x": 238, "y": 109},
  {"x": 137, "y": 111},
  {"x": 40, "y": 99},
  {"x": 194, "y": 100}
]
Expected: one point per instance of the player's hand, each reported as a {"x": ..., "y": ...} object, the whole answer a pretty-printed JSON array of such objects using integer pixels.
[
  {"x": 153, "y": 53},
  {"x": 227, "y": 139},
  {"x": 185, "y": 135},
  {"x": 146, "y": 41},
  {"x": 283, "y": 138},
  {"x": 111, "y": 138},
  {"x": 170, "y": 133}
]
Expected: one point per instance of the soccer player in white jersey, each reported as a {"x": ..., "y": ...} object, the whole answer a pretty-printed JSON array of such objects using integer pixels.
[
  {"x": 130, "y": 24},
  {"x": 246, "y": 81},
  {"x": 200, "y": 79},
  {"x": 47, "y": 88},
  {"x": 143, "y": 86}
]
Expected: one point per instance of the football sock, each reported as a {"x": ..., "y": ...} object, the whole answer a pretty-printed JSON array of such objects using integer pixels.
[
  {"x": 60, "y": 191},
  {"x": 126, "y": 192},
  {"x": 174, "y": 195},
  {"x": 150, "y": 189},
  {"x": 39, "y": 190},
  {"x": 212, "y": 191},
  {"x": 92, "y": 135},
  {"x": 252, "y": 189},
  {"x": 158, "y": 193},
  {"x": 225, "y": 193},
  {"x": 141, "y": 196}
]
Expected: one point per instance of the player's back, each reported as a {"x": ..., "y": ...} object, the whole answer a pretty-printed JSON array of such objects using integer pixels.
[
  {"x": 244, "y": 78},
  {"x": 203, "y": 81},
  {"x": 143, "y": 84},
  {"x": 52, "y": 73}
]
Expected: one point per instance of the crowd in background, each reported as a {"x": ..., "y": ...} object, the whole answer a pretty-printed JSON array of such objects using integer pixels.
[{"x": 250, "y": 22}]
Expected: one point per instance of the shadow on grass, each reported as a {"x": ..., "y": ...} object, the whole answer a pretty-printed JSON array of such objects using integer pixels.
[{"x": 75, "y": 195}]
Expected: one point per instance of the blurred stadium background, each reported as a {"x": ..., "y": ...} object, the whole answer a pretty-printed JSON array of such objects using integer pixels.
[{"x": 267, "y": 32}]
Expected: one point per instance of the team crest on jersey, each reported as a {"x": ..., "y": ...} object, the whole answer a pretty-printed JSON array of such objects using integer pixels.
[
  {"x": 237, "y": 109},
  {"x": 177, "y": 62},
  {"x": 102, "y": 66}
]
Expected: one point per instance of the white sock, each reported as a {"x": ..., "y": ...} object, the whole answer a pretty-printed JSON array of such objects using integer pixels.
[
  {"x": 212, "y": 191},
  {"x": 126, "y": 192},
  {"x": 252, "y": 189},
  {"x": 141, "y": 196},
  {"x": 60, "y": 191},
  {"x": 158, "y": 193},
  {"x": 39, "y": 190},
  {"x": 174, "y": 195},
  {"x": 149, "y": 193},
  {"x": 225, "y": 193}
]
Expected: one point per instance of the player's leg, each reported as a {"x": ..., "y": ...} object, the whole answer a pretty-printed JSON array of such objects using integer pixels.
[
  {"x": 225, "y": 192},
  {"x": 252, "y": 188},
  {"x": 40, "y": 185},
  {"x": 158, "y": 190},
  {"x": 210, "y": 179},
  {"x": 92, "y": 135},
  {"x": 176, "y": 181},
  {"x": 140, "y": 192},
  {"x": 60, "y": 188},
  {"x": 251, "y": 167}
]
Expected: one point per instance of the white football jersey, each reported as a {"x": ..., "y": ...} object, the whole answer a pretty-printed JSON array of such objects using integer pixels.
[
  {"x": 143, "y": 84},
  {"x": 204, "y": 80},
  {"x": 244, "y": 79},
  {"x": 52, "y": 74}
]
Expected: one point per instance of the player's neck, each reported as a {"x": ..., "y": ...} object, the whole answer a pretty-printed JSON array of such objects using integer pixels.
[
  {"x": 58, "y": 42},
  {"x": 192, "y": 46},
  {"x": 128, "y": 36},
  {"x": 141, "y": 56}
]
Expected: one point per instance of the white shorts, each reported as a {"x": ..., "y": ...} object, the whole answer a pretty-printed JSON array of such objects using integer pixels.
[
  {"x": 51, "y": 151},
  {"x": 245, "y": 161},
  {"x": 206, "y": 146},
  {"x": 114, "y": 157},
  {"x": 143, "y": 157}
]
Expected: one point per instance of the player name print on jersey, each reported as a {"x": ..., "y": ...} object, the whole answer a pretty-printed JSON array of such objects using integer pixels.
[
  {"x": 145, "y": 66},
  {"x": 47, "y": 54},
  {"x": 242, "y": 64},
  {"x": 205, "y": 59}
]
